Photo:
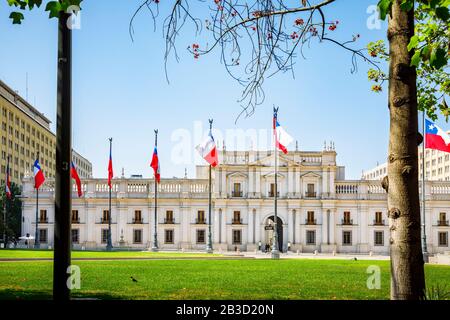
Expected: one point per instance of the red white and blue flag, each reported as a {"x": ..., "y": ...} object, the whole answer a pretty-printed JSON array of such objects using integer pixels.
[
  {"x": 39, "y": 177},
  {"x": 8, "y": 182},
  {"x": 76, "y": 177},
  {"x": 155, "y": 165},
  {"x": 208, "y": 150},
  {"x": 282, "y": 138},
  {"x": 436, "y": 138},
  {"x": 110, "y": 168}
]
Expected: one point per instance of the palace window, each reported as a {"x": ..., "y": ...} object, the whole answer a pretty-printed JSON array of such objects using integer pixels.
[
  {"x": 347, "y": 220},
  {"x": 237, "y": 191},
  {"x": 137, "y": 236},
  {"x": 378, "y": 218},
  {"x": 347, "y": 238},
  {"x": 168, "y": 236},
  {"x": 43, "y": 216},
  {"x": 75, "y": 236},
  {"x": 310, "y": 237},
  {"x": 272, "y": 190},
  {"x": 169, "y": 217},
  {"x": 137, "y": 217},
  {"x": 236, "y": 217},
  {"x": 442, "y": 219},
  {"x": 237, "y": 239},
  {"x": 43, "y": 235},
  {"x": 75, "y": 216},
  {"x": 105, "y": 216},
  {"x": 310, "y": 192},
  {"x": 201, "y": 236},
  {"x": 379, "y": 238},
  {"x": 310, "y": 218},
  {"x": 104, "y": 235},
  {"x": 200, "y": 217},
  {"x": 443, "y": 239}
]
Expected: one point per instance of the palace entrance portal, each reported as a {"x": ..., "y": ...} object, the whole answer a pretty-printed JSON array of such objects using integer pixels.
[{"x": 269, "y": 229}]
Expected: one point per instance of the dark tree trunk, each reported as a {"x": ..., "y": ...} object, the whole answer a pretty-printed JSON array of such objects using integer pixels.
[{"x": 407, "y": 266}]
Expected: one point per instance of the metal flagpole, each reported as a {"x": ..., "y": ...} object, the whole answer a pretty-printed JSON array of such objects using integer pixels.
[
  {"x": 109, "y": 240},
  {"x": 155, "y": 230},
  {"x": 4, "y": 208},
  {"x": 209, "y": 248},
  {"x": 275, "y": 251},
  {"x": 4, "y": 223},
  {"x": 37, "y": 244},
  {"x": 424, "y": 236}
]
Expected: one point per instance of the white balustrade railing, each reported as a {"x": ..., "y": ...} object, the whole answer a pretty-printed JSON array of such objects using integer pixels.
[{"x": 198, "y": 188}]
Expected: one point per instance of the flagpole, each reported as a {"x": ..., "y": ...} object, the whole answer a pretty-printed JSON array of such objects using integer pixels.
[
  {"x": 37, "y": 244},
  {"x": 209, "y": 248},
  {"x": 4, "y": 206},
  {"x": 275, "y": 251},
  {"x": 109, "y": 240},
  {"x": 4, "y": 222},
  {"x": 155, "y": 230},
  {"x": 424, "y": 236}
]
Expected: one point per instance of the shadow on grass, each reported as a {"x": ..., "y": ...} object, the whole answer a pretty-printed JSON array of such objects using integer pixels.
[{"x": 15, "y": 295}]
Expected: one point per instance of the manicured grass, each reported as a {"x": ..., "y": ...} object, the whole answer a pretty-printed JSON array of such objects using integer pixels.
[
  {"x": 47, "y": 254},
  {"x": 209, "y": 279}
]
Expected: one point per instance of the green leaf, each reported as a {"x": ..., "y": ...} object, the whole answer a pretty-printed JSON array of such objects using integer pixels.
[
  {"x": 415, "y": 60},
  {"x": 413, "y": 42},
  {"x": 443, "y": 13},
  {"x": 407, "y": 5},
  {"x": 16, "y": 17},
  {"x": 384, "y": 6},
  {"x": 54, "y": 8},
  {"x": 438, "y": 58},
  {"x": 425, "y": 52}
]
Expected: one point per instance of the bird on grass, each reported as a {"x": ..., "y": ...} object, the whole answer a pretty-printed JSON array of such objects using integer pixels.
[
  {"x": 133, "y": 279},
  {"x": 355, "y": 258}
]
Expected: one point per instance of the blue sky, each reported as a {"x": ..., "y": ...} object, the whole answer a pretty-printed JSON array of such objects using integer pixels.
[{"x": 120, "y": 88}]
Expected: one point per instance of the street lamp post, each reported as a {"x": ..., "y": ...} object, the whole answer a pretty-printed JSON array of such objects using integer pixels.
[{"x": 275, "y": 251}]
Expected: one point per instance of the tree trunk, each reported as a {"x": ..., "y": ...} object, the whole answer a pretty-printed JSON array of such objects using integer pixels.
[{"x": 407, "y": 265}]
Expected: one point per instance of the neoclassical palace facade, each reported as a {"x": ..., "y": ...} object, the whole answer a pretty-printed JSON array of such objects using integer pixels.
[{"x": 317, "y": 208}]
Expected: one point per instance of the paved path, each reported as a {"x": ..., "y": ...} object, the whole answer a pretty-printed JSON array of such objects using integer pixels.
[{"x": 130, "y": 258}]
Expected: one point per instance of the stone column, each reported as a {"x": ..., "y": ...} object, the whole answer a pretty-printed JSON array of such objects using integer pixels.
[
  {"x": 291, "y": 225},
  {"x": 216, "y": 225},
  {"x": 250, "y": 225},
  {"x": 325, "y": 226}
]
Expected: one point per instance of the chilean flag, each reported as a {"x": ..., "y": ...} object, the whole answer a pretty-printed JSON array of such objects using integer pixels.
[
  {"x": 74, "y": 173},
  {"x": 282, "y": 138},
  {"x": 39, "y": 177},
  {"x": 436, "y": 138},
  {"x": 8, "y": 182},
  {"x": 208, "y": 150},
  {"x": 155, "y": 165},
  {"x": 110, "y": 168}
]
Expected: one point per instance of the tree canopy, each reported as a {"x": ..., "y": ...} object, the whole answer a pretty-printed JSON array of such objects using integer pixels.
[{"x": 430, "y": 47}]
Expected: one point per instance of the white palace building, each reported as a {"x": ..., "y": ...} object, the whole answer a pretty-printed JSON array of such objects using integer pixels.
[{"x": 317, "y": 208}]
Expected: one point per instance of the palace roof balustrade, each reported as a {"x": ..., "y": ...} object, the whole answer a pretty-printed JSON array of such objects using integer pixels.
[{"x": 198, "y": 189}]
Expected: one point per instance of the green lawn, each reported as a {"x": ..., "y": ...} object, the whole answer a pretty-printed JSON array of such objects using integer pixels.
[
  {"x": 47, "y": 254},
  {"x": 209, "y": 279}
]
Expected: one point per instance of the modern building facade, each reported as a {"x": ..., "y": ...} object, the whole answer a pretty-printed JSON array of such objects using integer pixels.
[
  {"x": 24, "y": 132},
  {"x": 437, "y": 167},
  {"x": 317, "y": 208}
]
